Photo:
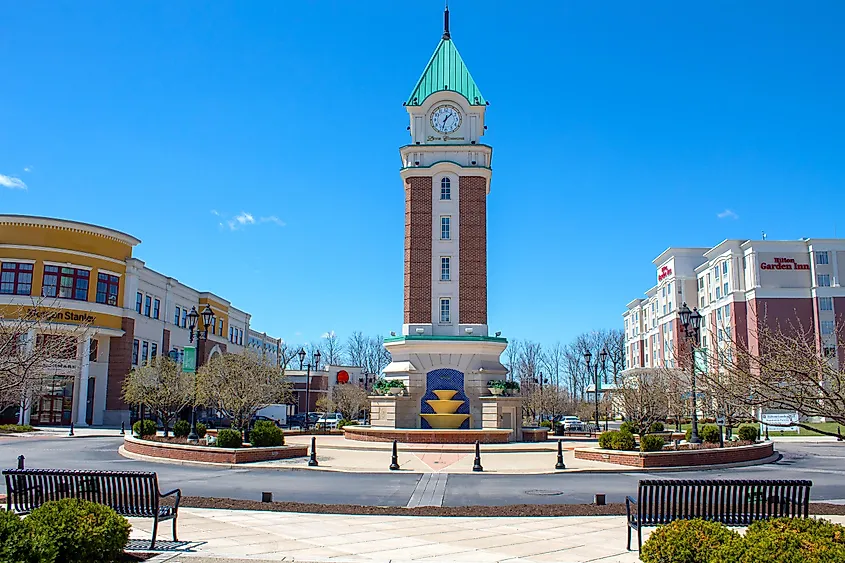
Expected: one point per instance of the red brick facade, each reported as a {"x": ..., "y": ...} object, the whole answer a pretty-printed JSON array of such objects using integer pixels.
[
  {"x": 120, "y": 362},
  {"x": 418, "y": 233},
  {"x": 211, "y": 455},
  {"x": 473, "y": 250},
  {"x": 682, "y": 458}
]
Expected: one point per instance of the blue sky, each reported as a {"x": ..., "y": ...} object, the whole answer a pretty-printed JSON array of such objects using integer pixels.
[{"x": 618, "y": 129}]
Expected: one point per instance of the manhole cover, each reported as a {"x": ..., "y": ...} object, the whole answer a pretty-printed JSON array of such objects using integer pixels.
[{"x": 543, "y": 492}]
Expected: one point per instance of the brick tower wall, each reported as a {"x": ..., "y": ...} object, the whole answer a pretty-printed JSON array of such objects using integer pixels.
[
  {"x": 418, "y": 230},
  {"x": 473, "y": 250},
  {"x": 120, "y": 362}
]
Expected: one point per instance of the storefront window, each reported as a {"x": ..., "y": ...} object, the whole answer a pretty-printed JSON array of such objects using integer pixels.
[
  {"x": 16, "y": 278},
  {"x": 67, "y": 283},
  {"x": 107, "y": 286}
]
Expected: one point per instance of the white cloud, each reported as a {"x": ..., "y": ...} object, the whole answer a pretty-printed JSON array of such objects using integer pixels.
[
  {"x": 245, "y": 219},
  {"x": 727, "y": 214},
  {"x": 27, "y": 168},
  {"x": 12, "y": 183},
  {"x": 329, "y": 334},
  {"x": 272, "y": 219},
  {"x": 215, "y": 213}
]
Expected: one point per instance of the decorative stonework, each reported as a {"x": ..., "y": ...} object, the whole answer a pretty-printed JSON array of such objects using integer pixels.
[
  {"x": 418, "y": 229},
  {"x": 473, "y": 250}
]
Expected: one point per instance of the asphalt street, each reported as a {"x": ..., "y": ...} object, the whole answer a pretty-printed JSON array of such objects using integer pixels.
[{"x": 823, "y": 463}]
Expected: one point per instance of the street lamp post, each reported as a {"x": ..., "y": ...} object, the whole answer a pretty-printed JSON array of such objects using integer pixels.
[
  {"x": 691, "y": 321},
  {"x": 316, "y": 359},
  {"x": 602, "y": 359},
  {"x": 542, "y": 401},
  {"x": 207, "y": 320}
]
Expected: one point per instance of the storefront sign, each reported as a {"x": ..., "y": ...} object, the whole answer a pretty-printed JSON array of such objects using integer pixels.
[
  {"x": 62, "y": 315},
  {"x": 343, "y": 376},
  {"x": 780, "y": 421},
  {"x": 784, "y": 264},
  {"x": 189, "y": 359},
  {"x": 664, "y": 272}
]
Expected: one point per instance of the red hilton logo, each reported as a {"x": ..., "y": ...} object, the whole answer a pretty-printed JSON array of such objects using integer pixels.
[{"x": 665, "y": 271}]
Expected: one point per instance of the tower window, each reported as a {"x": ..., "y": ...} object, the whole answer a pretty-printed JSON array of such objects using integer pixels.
[
  {"x": 445, "y": 310},
  {"x": 445, "y": 228},
  {"x": 445, "y": 188},
  {"x": 445, "y": 268}
]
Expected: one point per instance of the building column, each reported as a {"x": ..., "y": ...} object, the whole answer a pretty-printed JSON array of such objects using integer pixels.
[{"x": 82, "y": 393}]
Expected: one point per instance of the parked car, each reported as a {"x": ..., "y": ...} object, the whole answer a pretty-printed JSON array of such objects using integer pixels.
[
  {"x": 329, "y": 421},
  {"x": 572, "y": 423},
  {"x": 215, "y": 421},
  {"x": 298, "y": 420},
  {"x": 258, "y": 417}
]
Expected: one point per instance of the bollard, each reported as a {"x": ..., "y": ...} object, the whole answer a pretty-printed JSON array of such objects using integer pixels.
[
  {"x": 122, "y": 428},
  {"x": 838, "y": 434},
  {"x": 767, "y": 433},
  {"x": 721, "y": 437},
  {"x": 20, "y": 461},
  {"x": 476, "y": 464},
  {"x": 266, "y": 497},
  {"x": 71, "y": 429},
  {"x": 559, "y": 464},
  {"x": 599, "y": 499},
  {"x": 313, "y": 461},
  {"x": 394, "y": 460}
]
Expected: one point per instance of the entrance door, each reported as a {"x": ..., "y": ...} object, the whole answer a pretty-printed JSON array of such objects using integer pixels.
[{"x": 89, "y": 407}]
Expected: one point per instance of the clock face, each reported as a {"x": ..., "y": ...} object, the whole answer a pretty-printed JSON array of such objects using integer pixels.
[{"x": 446, "y": 119}]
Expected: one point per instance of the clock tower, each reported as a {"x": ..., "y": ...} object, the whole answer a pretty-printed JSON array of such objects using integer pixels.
[{"x": 445, "y": 356}]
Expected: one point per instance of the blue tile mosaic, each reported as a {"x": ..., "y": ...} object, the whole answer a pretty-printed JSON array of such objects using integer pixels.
[{"x": 438, "y": 380}]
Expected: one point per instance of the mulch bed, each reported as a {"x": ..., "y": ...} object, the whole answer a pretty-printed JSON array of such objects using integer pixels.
[{"x": 543, "y": 510}]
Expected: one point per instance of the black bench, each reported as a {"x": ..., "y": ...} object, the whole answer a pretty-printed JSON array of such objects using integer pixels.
[
  {"x": 133, "y": 494},
  {"x": 730, "y": 502}
]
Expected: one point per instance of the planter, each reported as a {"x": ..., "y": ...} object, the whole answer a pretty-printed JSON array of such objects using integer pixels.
[
  {"x": 210, "y": 454},
  {"x": 680, "y": 458},
  {"x": 497, "y": 391},
  {"x": 395, "y": 391}
]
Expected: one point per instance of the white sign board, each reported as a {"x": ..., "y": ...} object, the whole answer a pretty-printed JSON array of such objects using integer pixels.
[{"x": 780, "y": 421}]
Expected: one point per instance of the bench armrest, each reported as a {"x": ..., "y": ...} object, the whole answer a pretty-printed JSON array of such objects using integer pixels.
[
  {"x": 178, "y": 493},
  {"x": 628, "y": 502}
]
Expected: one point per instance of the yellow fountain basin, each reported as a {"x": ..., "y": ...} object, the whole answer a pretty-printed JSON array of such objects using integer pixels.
[
  {"x": 445, "y": 394},
  {"x": 445, "y": 421},
  {"x": 445, "y": 407}
]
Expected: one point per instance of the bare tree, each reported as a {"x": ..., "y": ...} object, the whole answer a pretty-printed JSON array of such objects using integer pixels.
[
  {"x": 332, "y": 349},
  {"x": 349, "y": 400},
  {"x": 643, "y": 395},
  {"x": 553, "y": 363},
  {"x": 357, "y": 348},
  {"x": 512, "y": 358},
  {"x": 162, "y": 386},
  {"x": 613, "y": 341},
  {"x": 287, "y": 354},
  {"x": 239, "y": 385}
]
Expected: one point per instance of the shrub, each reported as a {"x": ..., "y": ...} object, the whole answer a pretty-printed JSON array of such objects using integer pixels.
[
  {"x": 629, "y": 427},
  {"x": 649, "y": 443},
  {"x": 201, "y": 430},
  {"x": 395, "y": 383},
  {"x": 266, "y": 434},
  {"x": 228, "y": 438},
  {"x": 606, "y": 439},
  {"x": 748, "y": 433},
  {"x": 16, "y": 428},
  {"x": 656, "y": 427},
  {"x": 546, "y": 423},
  {"x": 687, "y": 541},
  {"x": 708, "y": 433},
  {"x": 182, "y": 428},
  {"x": 497, "y": 384},
  {"x": 789, "y": 540},
  {"x": 144, "y": 427},
  {"x": 16, "y": 544},
  {"x": 624, "y": 441},
  {"x": 77, "y": 531},
  {"x": 346, "y": 422}
]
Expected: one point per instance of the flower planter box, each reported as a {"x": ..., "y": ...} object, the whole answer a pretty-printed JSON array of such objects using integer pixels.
[
  {"x": 210, "y": 454},
  {"x": 679, "y": 458}
]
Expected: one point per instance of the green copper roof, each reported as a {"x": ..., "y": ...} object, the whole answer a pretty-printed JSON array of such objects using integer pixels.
[{"x": 446, "y": 71}]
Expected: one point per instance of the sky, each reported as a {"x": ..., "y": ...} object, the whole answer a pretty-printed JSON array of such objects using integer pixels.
[{"x": 253, "y": 147}]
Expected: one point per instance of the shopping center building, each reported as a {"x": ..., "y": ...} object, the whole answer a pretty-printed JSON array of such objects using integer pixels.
[
  {"x": 119, "y": 312},
  {"x": 739, "y": 286}
]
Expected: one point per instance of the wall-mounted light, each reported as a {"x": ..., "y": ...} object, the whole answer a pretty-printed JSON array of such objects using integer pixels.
[
  {"x": 416, "y": 163},
  {"x": 420, "y": 331},
  {"x": 408, "y": 128},
  {"x": 498, "y": 333},
  {"x": 472, "y": 142},
  {"x": 473, "y": 163},
  {"x": 468, "y": 330},
  {"x": 392, "y": 333}
]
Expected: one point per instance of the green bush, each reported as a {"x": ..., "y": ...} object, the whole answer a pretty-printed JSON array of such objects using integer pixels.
[
  {"x": 182, "y": 428},
  {"x": 617, "y": 440},
  {"x": 748, "y": 433},
  {"x": 77, "y": 531},
  {"x": 606, "y": 439},
  {"x": 228, "y": 438},
  {"x": 656, "y": 427},
  {"x": 346, "y": 422},
  {"x": 512, "y": 386},
  {"x": 201, "y": 430},
  {"x": 786, "y": 540},
  {"x": 497, "y": 384},
  {"x": 649, "y": 443},
  {"x": 708, "y": 433},
  {"x": 546, "y": 423},
  {"x": 144, "y": 427},
  {"x": 687, "y": 541},
  {"x": 16, "y": 428},
  {"x": 264, "y": 434},
  {"x": 16, "y": 544},
  {"x": 629, "y": 427}
]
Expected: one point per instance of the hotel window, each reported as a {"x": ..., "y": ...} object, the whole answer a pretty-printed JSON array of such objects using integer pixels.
[
  {"x": 823, "y": 280},
  {"x": 716, "y": 272},
  {"x": 725, "y": 289},
  {"x": 153, "y": 350},
  {"x": 135, "y": 345},
  {"x": 725, "y": 268},
  {"x": 145, "y": 352},
  {"x": 719, "y": 315},
  {"x": 176, "y": 316},
  {"x": 827, "y": 327},
  {"x": 444, "y": 268},
  {"x": 220, "y": 327},
  {"x": 139, "y": 298},
  {"x": 148, "y": 304},
  {"x": 830, "y": 351},
  {"x": 156, "y": 308},
  {"x": 701, "y": 302},
  {"x": 821, "y": 258},
  {"x": 16, "y": 278},
  {"x": 231, "y": 334},
  {"x": 721, "y": 335},
  {"x": 718, "y": 293},
  {"x": 93, "y": 349},
  {"x": 445, "y": 188},
  {"x": 445, "y": 311},
  {"x": 700, "y": 283},
  {"x": 107, "y": 286},
  {"x": 184, "y": 318},
  {"x": 826, "y": 303},
  {"x": 727, "y": 311},
  {"x": 67, "y": 283},
  {"x": 445, "y": 228}
]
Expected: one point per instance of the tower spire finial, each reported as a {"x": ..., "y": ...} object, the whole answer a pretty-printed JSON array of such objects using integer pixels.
[{"x": 446, "y": 34}]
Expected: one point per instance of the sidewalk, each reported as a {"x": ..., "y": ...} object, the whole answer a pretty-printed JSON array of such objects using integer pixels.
[{"x": 227, "y": 535}]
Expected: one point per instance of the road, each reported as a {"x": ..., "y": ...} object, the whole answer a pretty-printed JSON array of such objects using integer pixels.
[{"x": 823, "y": 463}]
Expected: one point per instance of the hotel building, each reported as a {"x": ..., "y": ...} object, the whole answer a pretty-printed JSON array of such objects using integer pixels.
[
  {"x": 738, "y": 286},
  {"x": 119, "y": 312}
]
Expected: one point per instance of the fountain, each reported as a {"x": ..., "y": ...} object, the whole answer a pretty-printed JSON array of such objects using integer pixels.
[{"x": 444, "y": 406}]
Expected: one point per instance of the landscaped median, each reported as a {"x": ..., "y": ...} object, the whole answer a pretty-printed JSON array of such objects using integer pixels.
[
  {"x": 679, "y": 458},
  {"x": 210, "y": 454}
]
